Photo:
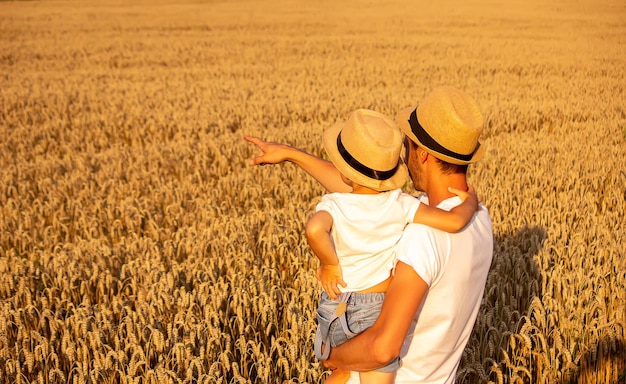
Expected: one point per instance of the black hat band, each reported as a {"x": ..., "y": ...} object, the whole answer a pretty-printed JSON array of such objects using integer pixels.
[
  {"x": 362, "y": 168},
  {"x": 432, "y": 144}
]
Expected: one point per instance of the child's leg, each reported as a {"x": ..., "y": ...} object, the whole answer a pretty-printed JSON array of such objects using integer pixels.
[
  {"x": 339, "y": 376},
  {"x": 373, "y": 377}
]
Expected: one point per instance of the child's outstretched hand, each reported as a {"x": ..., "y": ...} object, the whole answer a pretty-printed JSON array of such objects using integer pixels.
[
  {"x": 331, "y": 277},
  {"x": 271, "y": 153},
  {"x": 465, "y": 195}
]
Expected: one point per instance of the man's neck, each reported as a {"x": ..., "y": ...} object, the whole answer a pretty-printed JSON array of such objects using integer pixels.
[{"x": 438, "y": 187}]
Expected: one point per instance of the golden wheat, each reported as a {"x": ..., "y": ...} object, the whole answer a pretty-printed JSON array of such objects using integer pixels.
[{"x": 136, "y": 245}]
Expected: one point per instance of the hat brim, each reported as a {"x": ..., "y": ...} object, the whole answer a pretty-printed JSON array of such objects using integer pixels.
[
  {"x": 329, "y": 140},
  {"x": 402, "y": 120}
]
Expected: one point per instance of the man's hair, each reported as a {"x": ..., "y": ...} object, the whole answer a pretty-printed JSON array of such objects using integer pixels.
[
  {"x": 446, "y": 168},
  {"x": 449, "y": 168}
]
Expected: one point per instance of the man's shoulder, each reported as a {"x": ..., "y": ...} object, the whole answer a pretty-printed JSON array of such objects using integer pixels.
[
  {"x": 420, "y": 239},
  {"x": 412, "y": 229},
  {"x": 479, "y": 227}
]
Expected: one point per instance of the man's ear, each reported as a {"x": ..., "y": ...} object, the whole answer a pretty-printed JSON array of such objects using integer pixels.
[{"x": 422, "y": 155}]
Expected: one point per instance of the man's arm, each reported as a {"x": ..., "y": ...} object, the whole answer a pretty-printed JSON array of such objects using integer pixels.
[
  {"x": 321, "y": 170},
  {"x": 381, "y": 343}
]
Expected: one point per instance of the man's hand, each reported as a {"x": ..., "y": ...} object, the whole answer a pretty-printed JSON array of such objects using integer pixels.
[
  {"x": 331, "y": 277},
  {"x": 271, "y": 153},
  {"x": 329, "y": 365}
]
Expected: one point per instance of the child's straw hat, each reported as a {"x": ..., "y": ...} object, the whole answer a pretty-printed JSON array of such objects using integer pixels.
[
  {"x": 366, "y": 149},
  {"x": 447, "y": 124}
]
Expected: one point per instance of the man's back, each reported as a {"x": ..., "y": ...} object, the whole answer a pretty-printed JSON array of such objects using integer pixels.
[{"x": 455, "y": 267}]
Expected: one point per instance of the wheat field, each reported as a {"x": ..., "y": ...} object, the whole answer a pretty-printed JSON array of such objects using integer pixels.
[{"x": 137, "y": 245}]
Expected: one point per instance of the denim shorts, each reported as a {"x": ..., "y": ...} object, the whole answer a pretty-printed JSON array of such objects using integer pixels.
[{"x": 361, "y": 313}]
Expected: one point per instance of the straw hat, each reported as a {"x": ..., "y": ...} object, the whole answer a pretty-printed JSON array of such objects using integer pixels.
[
  {"x": 446, "y": 124},
  {"x": 366, "y": 149}
]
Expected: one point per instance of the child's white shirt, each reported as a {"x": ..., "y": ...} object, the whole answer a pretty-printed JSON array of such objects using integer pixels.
[{"x": 366, "y": 229}]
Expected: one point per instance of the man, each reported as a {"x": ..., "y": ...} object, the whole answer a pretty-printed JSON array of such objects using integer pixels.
[{"x": 433, "y": 299}]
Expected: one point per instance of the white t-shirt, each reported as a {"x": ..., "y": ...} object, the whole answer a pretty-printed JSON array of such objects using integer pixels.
[
  {"x": 455, "y": 267},
  {"x": 365, "y": 232}
]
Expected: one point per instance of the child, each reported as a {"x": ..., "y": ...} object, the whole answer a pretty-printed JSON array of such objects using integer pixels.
[{"x": 354, "y": 234}]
